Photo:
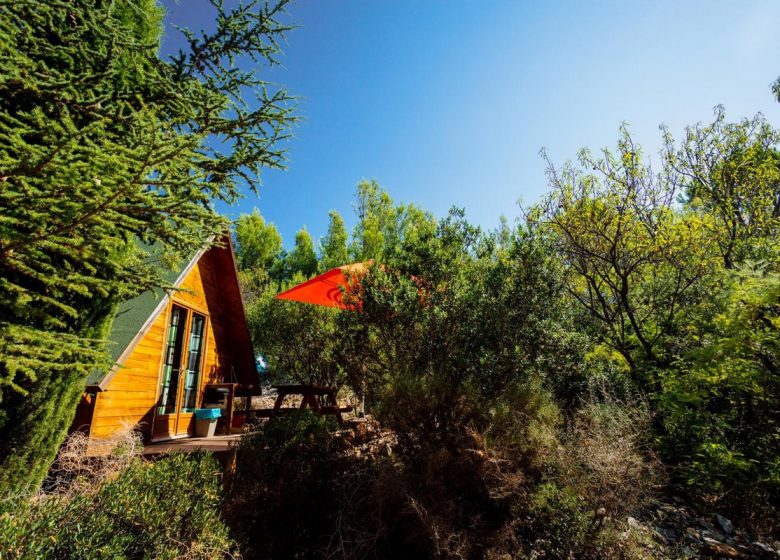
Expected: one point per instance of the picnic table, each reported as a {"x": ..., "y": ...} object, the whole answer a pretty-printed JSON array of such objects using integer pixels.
[{"x": 321, "y": 399}]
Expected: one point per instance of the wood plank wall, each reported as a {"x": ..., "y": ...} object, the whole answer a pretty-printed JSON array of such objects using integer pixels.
[{"x": 131, "y": 395}]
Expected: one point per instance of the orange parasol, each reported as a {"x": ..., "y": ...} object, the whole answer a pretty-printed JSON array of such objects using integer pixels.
[{"x": 326, "y": 289}]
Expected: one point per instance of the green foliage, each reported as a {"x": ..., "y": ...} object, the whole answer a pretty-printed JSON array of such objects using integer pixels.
[
  {"x": 302, "y": 259},
  {"x": 376, "y": 221},
  {"x": 381, "y": 225},
  {"x": 258, "y": 244},
  {"x": 306, "y": 343},
  {"x": 300, "y": 341},
  {"x": 436, "y": 337},
  {"x": 333, "y": 247},
  {"x": 285, "y": 487},
  {"x": 165, "y": 509},
  {"x": 102, "y": 145},
  {"x": 631, "y": 257},
  {"x": 730, "y": 172},
  {"x": 560, "y": 519},
  {"x": 722, "y": 400},
  {"x": 686, "y": 293},
  {"x": 34, "y": 426}
]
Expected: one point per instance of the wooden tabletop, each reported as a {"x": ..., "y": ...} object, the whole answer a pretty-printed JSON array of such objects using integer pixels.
[{"x": 302, "y": 388}]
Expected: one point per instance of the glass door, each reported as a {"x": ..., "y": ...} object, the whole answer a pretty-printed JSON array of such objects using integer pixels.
[
  {"x": 180, "y": 380},
  {"x": 194, "y": 358}
]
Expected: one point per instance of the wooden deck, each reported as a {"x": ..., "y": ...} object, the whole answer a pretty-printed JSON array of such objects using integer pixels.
[{"x": 215, "y": 444}]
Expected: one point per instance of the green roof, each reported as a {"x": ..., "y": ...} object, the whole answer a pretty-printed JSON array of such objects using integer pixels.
[{"x": 132, "y": 314}]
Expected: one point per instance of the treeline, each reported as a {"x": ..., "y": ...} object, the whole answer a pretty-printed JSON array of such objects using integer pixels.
[
  {"x": 380, "y": 227},
  {"x": 632, "y": 315}
]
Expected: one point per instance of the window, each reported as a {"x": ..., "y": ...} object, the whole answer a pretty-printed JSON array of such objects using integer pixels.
[
  {"x": 194, "y": 354},
  {"x": 181, "y": 380},
  {"x": 169, "y": 388}
]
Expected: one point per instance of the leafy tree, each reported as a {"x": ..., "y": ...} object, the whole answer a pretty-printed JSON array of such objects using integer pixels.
[
  {"x": 302, "y": 259},
  {"x": 731, "y": 172},
  {"x": 333, "y": 247},
  {"x": 686, "y": 293},
  {"x": 438, "y": 335},
  {"x": 102, "y": 145},
  {"x": 300, "y": 341},
  {"x": 722, "y": 399},
  {"x": 258, "y": 243},
  {"x": 382, "y": 225},
  {"x": 633, "y": 261}
]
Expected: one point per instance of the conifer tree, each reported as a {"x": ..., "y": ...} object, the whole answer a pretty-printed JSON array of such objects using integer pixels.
[
  {"x": 776, "y": 89},
  {"x": 302, "y": 259},
  {"x": 106, "y": 149},
  {"x": 333, "y": 247},
  {"x": 257, "y": 243}
]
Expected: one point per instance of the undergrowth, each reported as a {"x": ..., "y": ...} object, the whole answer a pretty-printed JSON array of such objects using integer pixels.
[{"x": 118, "y": 506}]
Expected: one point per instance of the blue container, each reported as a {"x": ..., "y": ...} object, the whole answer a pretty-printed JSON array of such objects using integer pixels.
[{"x": 207, "y": 413}]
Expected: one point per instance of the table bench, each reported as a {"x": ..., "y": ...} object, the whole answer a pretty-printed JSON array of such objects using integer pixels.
[{"x": 321, "y": 399}]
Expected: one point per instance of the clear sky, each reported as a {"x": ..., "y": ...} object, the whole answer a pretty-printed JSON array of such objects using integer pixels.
[{"x": 449, "y": 102}]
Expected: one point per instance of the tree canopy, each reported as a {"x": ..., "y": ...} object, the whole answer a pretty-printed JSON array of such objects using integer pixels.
[{"x": 111, "y": 159}]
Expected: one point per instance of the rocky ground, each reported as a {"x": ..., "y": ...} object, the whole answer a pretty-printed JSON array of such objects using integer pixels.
[{"x": 676, "y": 530}]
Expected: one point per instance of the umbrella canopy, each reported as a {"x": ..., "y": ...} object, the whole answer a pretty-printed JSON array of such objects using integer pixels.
[{"x": 325, "y": 289}]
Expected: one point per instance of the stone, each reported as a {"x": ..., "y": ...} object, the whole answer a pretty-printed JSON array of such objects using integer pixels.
[
  {"x": 693, "y": 533},
  {"x": 661, "y": 537},
  {"x": 716, "y": 548},
  {"x": 670, "y": 533},
  {"x": 714, "y": 535},
  {"x": 763, "y": 546},
  {"x": 725, "y": 524},
  {"x": 633, "y": 523},
  {"x": 706, "y": 524}
]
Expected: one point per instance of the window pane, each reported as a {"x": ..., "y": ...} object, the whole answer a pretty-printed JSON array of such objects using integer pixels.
[
  {"x": 195, "y": 351},
  {"x": 169, "y": 386}
]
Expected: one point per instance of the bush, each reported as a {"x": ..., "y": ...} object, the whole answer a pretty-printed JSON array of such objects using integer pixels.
[
  {"x": 560, "y": 521},
  {"x": 607, "y": 457},
  {"x": 721, "y": 401},
  {"x": 285, "y": 494},
  {"x": 165, "y": 509}
]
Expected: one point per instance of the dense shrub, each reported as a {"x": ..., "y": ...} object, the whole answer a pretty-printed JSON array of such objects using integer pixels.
[
  {"x": 560, "y": 520},
  {"x": 722, "y": 400},
  {"x": 163, "y": 509},
  {"x": 285, "y": 491}
]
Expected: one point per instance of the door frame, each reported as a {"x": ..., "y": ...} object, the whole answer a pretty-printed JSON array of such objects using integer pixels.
[{"x": 180, "y": 416}]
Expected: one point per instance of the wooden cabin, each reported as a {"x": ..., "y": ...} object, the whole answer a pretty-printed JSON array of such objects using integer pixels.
[{"x": 167, "y": 347}]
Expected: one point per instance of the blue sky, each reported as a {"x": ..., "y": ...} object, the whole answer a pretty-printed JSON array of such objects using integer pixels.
[{"x": 449, "y": 102}]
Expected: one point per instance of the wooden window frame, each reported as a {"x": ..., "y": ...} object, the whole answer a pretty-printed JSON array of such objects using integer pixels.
[{"x": 190, "y": 309}]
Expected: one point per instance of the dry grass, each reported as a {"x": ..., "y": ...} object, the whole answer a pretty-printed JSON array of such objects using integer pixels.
[
  {"x": 606, "y": 456},
  {"x": 83, "y": 464}
]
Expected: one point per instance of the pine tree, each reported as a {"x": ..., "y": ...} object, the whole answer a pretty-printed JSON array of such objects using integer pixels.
[
  {"x": 302, "y": 259},
  {"x": 257, "y": 243},
  {"x": 776, "y": 89},
  {"x": 333, "y": 247},
  {"x": 106, "y": 149}
]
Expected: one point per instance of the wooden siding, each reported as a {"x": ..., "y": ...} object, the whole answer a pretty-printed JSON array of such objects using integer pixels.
[{"x": 131, "y": 395}]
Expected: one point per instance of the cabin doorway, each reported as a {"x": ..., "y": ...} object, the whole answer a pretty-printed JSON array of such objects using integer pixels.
[{"x": 180, "y": 379}]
